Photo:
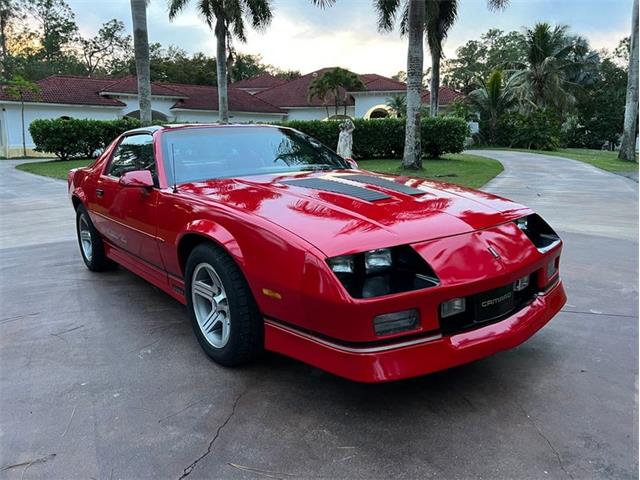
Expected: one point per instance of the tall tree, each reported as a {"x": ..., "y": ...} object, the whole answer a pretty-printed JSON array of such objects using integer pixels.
[
  {"x": 548, "y": 75},
  {"x": 56, "y": 23},
  {"x": 110, "y": 42},
  {"x": 227, "y": 18},
  {"x": 7, "y": 9},
  {"x": 630, "y": 133},
  {"x": 338, "y": 82},
  {"x": 19, "y": 89},
  {"x": 141, "y": 52},
  {"x": 440, "y": 17}
]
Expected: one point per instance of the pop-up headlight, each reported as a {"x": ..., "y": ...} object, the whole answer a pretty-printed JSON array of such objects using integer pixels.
[
  {"x": 343, "y": 264},
  {"x": 378, "y": 260}
]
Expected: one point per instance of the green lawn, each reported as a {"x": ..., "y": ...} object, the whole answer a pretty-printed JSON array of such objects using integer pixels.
[
  {"x": 598, "y": 158},
  {"x": 462, "y": 169},
  {"x": 53, "y": 168}
]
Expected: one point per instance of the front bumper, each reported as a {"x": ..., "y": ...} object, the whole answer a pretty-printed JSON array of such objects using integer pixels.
[{"x": 416, "y": 357}]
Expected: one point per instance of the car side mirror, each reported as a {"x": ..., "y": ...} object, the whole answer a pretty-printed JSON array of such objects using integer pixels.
[
  {"x": 137, "y": 178},
  {"x": 352, "y": 162}
]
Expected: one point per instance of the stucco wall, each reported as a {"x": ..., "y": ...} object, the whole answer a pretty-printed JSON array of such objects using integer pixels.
[
  {"x": 11, "y": 124},
  {"x": 366, "y": 101},
  {"x": 316, "y": 113},
  {"x": 194, "y": 116},
  {"x": 159, "y": 104}
]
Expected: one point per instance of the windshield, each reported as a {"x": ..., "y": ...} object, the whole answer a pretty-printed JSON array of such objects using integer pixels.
[{"x": 207, "y": 153}]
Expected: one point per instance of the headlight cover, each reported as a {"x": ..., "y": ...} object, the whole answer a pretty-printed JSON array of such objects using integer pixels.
[
  {"x": 543, "y": 237},
  {"x": 384, "y": 271}
]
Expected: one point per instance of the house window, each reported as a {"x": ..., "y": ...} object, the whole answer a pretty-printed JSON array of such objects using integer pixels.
[{"x": 65, "y": 117}]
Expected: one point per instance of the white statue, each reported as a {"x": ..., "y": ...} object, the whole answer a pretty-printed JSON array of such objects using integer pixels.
[{"x": 345, "y": 139}]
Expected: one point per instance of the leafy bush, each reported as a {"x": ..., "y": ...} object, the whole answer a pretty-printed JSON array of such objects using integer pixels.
[
  {"x": 539, "y": 130},
  {"x": 384, "y": 138},
  {"x": 69, "y": 138}
]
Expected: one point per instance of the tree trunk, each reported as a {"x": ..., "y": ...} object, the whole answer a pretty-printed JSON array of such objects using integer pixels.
[
  {"x": 141, "y": 53},
  {"x": 24, "y": 139},
  {"x": 628, "y": 144},
  {"x": 221, "y": 67},
  {"x": 3, "y": 43},
  {"x": 415, "y": 58},
  {"x": 435, "y": 82}
]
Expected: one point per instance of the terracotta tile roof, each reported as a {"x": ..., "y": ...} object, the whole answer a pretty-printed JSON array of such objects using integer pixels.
[
  {"x": 447, "y": 95},
  {"x": 265, "y": 80},
  {"x": 294, "y": 93},
  {"x": 69, "y": 90},
  {"x": 203, "y": 97},
  {"x": 377, "y": 83},
  {"x": 129, "y": 84}
]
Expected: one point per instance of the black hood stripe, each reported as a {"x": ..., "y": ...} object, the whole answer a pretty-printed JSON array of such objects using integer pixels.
[
  {"x": 338, "y": 187},
  {"x": 384, "y": 183}
]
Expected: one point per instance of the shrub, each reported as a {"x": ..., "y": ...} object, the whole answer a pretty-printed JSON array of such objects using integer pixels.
[
  {"x": 538, "y": 130},
  {"x": 384, "y": 138},
  {"x": 77, "y": 137}
]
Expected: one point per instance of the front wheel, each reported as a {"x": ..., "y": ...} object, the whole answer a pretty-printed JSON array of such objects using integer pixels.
[
  {"x": 224, "y": 315},
  {"x": 91, "y": 246}
]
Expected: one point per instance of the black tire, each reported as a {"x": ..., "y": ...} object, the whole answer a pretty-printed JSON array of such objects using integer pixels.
[
  {"x": 246, "y": 336},
  {"x": 98, "y": 261}
]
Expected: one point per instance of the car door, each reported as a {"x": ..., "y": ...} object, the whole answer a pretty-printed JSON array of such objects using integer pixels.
[{"x": 127, "y": 216}]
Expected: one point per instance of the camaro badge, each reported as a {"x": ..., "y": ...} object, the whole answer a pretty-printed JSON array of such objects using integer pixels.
[{"x": 493, "y": 252}]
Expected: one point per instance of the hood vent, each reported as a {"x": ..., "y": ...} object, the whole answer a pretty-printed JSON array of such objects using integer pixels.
[
  {"x": 338, "y": 187},
  {"x": 384, "y": 183}
]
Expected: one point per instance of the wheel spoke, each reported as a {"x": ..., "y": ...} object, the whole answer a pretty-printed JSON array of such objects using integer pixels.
[
  {"x": 211, "y": 321},
  {"x": 204, "y": 290}
]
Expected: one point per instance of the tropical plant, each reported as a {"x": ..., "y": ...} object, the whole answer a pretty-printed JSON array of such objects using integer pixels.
[
  {"x": 549, "y": 74},
  {"x": 19, "y": 89},
  {"x": 227, "y": 18},
  {"x": 630, "y": 133},
  {"x": 492, "y": 99},
  {"x": 141, "y": 53},
  {"x": 398, "y": 105},
  {"x": 334, "y": 85}
]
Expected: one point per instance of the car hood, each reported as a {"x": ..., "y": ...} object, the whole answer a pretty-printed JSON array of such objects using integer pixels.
[{"x": 370, "y": 211}]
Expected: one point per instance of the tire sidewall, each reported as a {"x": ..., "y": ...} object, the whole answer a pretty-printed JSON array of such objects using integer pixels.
[
  {"x": 82, "y": 212},
  {"x": 214, "y": 257}
]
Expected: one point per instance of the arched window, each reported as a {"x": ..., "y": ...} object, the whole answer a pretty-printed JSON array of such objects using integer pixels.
[
  {"x": 65, "y": 117},
  {"x": 379, "y": 111}
]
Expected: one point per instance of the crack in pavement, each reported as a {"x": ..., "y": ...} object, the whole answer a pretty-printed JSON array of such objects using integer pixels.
[
  {"x": 544, "y": 437},
  {"x": 602, "y": 314},
  {"x": 187, "y": 471}
]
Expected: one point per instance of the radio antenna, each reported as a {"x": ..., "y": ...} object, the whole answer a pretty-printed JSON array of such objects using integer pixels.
[{"x": 173, "y": 170}]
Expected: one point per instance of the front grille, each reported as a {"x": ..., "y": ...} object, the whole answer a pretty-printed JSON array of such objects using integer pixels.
[{"x": 489, "y": 307}]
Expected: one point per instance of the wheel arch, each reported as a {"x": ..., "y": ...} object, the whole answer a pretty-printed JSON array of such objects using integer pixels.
[{"x": 202, "y": 231}]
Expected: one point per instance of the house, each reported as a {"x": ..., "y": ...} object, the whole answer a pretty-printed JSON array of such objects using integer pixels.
[{"x": 266, "y": 98}]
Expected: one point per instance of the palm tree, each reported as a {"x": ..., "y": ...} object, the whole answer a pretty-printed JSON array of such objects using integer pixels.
[
  {"x": 492, "y": 99},
  {"x": 630, "y": 132},
  {"x": 440, "y": 17},
  {"x": 227, "y": 18},
  {"x": 141, "y": 53},
  {"x": 542, "y": 81},
  {"x": 338, "y": 82},
  {"x": 398, "y": 105}
]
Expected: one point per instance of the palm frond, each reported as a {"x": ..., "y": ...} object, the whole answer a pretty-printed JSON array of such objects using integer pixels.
[
  {"x": 175, "y": 6},
  {"x": 386, "y": 11}
]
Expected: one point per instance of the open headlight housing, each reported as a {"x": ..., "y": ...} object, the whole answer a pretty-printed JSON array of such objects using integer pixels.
[
  {"x": 539, "y": 232},
  {"x": 383, "y": 271}
]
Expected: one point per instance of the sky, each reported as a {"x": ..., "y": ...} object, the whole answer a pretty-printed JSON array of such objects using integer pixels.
[{"x": 304, "y": 37}]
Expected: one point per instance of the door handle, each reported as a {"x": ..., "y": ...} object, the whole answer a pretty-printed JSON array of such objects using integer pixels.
[{"x": 99, "y": 192}]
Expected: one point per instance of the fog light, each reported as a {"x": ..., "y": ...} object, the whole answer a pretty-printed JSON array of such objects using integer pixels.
[
  {"x": 521, "y": 284},
  {"x": 452, "y": 307},
  {"x": 552, "y": 269},
  {"x": 377, "y": 260},
  {"x": 395, "y": 322}
]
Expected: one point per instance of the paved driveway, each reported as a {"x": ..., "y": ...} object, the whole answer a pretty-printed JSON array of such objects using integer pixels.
[{"x": 101, "y": 377}]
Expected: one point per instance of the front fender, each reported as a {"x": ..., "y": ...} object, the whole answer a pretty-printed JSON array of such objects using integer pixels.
[{"x": 215, "y": 232}]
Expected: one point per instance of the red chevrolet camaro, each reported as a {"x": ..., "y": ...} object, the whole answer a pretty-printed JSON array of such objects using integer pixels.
[{"x": 275, "y": 242}]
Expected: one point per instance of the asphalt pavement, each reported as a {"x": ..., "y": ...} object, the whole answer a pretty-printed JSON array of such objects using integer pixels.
[{"x": 101, "y": 376}]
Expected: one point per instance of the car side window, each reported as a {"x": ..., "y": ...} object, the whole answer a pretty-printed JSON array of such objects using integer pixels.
[{"x": 133, "y": 153}]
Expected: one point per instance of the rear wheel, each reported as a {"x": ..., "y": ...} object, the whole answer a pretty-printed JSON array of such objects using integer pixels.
[
  {"x": 224, "y": 315},
  {"x": 91, "y": 246}
]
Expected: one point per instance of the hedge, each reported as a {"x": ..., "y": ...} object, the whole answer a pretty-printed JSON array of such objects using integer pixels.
[
  {"x": 380, "y": 138},
  {"x": 384, "y": 138},
  {"x": 68, "y": 138}
]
